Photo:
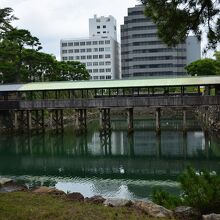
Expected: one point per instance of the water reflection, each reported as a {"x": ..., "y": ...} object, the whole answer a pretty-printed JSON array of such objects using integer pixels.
[{"x": 111, "y": 164}]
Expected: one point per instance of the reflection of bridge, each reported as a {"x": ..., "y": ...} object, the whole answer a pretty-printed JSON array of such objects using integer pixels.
[{"x": 27, "y": 102}]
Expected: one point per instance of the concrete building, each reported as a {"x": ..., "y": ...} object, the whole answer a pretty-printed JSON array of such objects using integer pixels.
[
  {"x": 99, "y": 52},
  {"x": 144, "y": 54},
  {"x": 103, "y": 26}
]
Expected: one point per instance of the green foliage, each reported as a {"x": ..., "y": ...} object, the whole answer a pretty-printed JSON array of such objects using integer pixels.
[
  {"x": 203, "y": 67},
  {"x": 200, "y": 190},
  {"x": 165, "y": 199},
  {"x": 5, "y": 20},
  {"x": 22, "y": 61},
  {"x": 177, "y": 18}
]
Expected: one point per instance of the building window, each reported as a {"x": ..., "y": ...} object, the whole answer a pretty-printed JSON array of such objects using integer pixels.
[
  {"x": 83, "y": 57},
  {"x": 76, "y": 51},
  {"x": 64, "y": 44},
  {"x": 107, "y": 63},
  {"x": 98, "y": 27},
  {"x": 101, "y": 56},
  {"x": 70, "y": 51},
  {"x": 95, "y": 77},
  {"x": 107, "y": 55},
  {"x": 101, "y": 63},
  {"x": 104, "y": 26},
  {"x": 65, "y": 58},
  {"x": 96, "y": 49},
  {"x": 101, "y": 42},
  {"x": 102, "y": 77},
  {"x": 95, "y": 42},
  {"x": 77, "y": 58},
  {"x": 76, "y": 43},
  {"x": 64, "y": 51},
  {"x": 82, "y": 43},
  {"x": 89, "y": 50},
  {"x": 89, "y": 64},
  {"x": 104, "y": 32},
  {"x": 90, "y": 70},
  {"x": 107, "y": 42},
  {"x": 101, "y": 70},
  {"x": 70, "y": 44},
  {"x": 107, "y": 49},
  {"x": 101, "y": 49},
  {"x": 88, "y": 43},
  {"x": 82, "y": 50},
  {"x": 71, "y": 58},
  {"x": 108, "y": 77},
  {"x": 89, "y": 57},
  {"x": 98, "y": 32},
  {"x": 95, "y": 70},
  {"x": 95, "y": 56},
  {"x": 95, "y": 63},
  {"x": 108, "y": 70}
]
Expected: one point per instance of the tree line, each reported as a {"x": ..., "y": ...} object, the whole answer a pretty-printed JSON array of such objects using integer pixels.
[{"x": 21, "y": 59}]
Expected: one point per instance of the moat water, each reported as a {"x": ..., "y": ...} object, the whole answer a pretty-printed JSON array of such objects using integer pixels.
[{"x": 115, "y": 165}]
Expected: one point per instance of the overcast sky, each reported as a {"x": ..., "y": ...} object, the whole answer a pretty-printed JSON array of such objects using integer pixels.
[{"x": 52, "y": 20}]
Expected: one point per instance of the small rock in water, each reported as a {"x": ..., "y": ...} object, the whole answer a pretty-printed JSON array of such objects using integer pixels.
[
  {"x": 117, "y": 202},
  {"x": 211, "y": 217},
  {"x": 75, "y": 196},
  {"x": 153, "y": 209}
]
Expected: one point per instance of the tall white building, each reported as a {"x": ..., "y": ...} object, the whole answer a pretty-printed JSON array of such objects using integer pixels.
[{"x": 99, "y": 52}]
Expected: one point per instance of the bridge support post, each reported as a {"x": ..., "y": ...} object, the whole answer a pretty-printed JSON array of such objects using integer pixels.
[
  {"x": 56, "y": 118},
  {"x": 81, "y": 117},
  {"x": 29, "y": 120},
  {"x": 104, "y": 120},
  {"x": 158, "y": 116},
  {"x": 130, "y": 120},
  {"x": 16, "y": 120}
]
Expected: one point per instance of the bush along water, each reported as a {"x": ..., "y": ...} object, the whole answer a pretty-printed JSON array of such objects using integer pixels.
[{"x": 200, "y": 190}]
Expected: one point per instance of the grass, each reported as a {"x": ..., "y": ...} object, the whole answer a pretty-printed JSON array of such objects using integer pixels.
[{"x": 30, "y": 206}]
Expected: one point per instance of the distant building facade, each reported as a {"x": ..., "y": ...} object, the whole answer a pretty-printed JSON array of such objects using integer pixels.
[
  {"x": 99, "y": 52},
  {"x": 144, "y": 54}
]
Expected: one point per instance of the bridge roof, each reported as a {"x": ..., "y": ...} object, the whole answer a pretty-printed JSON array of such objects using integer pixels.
[{"x": 129, "y": 83}]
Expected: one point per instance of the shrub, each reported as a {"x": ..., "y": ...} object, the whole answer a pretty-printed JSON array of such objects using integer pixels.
[{"x": 201, "y": 190}]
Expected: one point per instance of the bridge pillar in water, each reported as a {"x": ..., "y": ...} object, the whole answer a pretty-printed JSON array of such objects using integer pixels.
[
  {"x": 56, "y": 119},
  {"x": 130, "y": 120},
  {"x": 104, "y": 120},
  {"x": 158, "y": 116},
  {"x": 16, "y": 124},
  {"x": 81, "y": 116}
]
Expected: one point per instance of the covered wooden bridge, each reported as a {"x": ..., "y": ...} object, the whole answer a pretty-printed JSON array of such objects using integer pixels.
[{"x": 27, "y": 103}]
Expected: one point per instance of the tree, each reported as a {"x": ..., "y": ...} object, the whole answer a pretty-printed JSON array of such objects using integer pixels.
[
  {"x": 5, "y": 20},
  {"x": 12, "y": 49},
  {"x": 203, "y": 67},
  {"x": 175, "y": 19}
]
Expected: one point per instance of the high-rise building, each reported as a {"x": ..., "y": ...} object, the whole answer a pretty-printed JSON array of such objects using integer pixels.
[
  {"x": 99, "y": 52},
  {"x": 144, "y": 54}
]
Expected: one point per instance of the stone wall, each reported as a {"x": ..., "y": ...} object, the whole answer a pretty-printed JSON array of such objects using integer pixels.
[{"x": 209, "y": 117}]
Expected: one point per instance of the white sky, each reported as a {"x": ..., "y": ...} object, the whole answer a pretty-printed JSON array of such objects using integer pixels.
[{"x": 52, "y": 20}]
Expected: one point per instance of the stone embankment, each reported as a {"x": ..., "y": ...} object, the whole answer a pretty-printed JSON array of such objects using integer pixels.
[
  {"x": 209, "y": 117},
  {"x": 149, "y": 208}
]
